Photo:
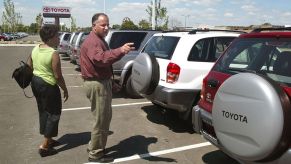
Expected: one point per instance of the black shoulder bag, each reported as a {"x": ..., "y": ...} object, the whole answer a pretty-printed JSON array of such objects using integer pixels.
[{"x": 23, "y": 75}]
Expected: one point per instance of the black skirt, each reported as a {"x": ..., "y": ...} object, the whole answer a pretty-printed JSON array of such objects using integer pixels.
[{"x": 49, "y": 103}]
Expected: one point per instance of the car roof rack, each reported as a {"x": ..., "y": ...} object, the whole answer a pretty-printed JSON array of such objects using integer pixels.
[
  {"x": 167, "y": 31},
  {"x": 272, "y": 29},
  {"x": 208, "y": 30}
]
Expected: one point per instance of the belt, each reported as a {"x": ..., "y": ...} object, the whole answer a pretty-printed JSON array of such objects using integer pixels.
[{"x": 90, "y": 79}]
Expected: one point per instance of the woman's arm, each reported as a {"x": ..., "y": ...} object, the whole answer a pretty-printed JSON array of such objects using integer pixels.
[
  {"x": 56, "y": 66},
  {"x": 29, "y": 62}
]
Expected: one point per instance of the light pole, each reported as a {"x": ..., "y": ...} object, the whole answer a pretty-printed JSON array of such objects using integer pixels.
[
  {"x": 186, "y": 16},
  {"x": 104, "y": 9},
  {"x": 153, "y": 14}
]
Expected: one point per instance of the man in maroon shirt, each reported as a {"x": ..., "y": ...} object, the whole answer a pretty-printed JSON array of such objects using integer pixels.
[{"x": 96, "y": 61}]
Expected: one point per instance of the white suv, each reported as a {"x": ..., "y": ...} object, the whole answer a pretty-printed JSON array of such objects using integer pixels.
[{"x": 183, "y": 59}]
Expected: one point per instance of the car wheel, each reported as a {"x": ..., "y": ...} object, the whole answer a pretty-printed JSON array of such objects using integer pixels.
[
  {"x": 145, "y": 74},
  {"x": 129, "y": 89},
  {"x": 251, "y": 117}
]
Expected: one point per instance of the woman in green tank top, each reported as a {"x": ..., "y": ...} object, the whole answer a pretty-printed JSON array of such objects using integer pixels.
[{"x": 45, "y": 84}]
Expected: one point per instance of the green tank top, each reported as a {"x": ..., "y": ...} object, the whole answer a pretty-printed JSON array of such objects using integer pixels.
[{"x": 42, "y": 63}]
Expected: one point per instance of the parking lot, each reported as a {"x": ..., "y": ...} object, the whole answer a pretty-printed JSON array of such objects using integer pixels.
[{"x": 141, "y": 132}]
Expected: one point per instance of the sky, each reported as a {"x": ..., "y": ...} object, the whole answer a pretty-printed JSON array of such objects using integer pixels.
[{"x": 191, "y": 13}]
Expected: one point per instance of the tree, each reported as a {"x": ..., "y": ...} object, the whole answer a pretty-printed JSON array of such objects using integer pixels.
[
  {"x": 10, "y": 16},
  {"x": 127, "y": 24},
  {"x": 33, "y": 28},
  {"x": 73, "y": 24},
  {"x": 161, "y": 18},
  {"x": 38, "y": 21},
  {"x": 116, "y": 26},
  {"x": 144, "y": 24}
]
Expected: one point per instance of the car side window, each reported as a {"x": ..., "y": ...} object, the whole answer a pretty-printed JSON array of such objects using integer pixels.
[
  {"x": 220, "y": 45},
  {"x": 200, "y": 51}
]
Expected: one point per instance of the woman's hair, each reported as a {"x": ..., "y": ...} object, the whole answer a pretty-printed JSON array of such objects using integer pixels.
[{"x": 48, "y": 31}]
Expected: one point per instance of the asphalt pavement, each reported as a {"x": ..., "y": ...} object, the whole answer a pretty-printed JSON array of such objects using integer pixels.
[{"x": 141, "y": 132}]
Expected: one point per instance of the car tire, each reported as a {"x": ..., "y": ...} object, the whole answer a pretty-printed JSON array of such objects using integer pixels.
[
  {"x": 251, "y": 117},
  {"x": 130, "y": 92},
  {"x": 145, "y": 74}
]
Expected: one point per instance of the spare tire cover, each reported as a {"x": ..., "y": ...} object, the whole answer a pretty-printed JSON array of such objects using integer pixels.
[
  {"x": 145, "y": 74},
  {"x": 249, "y": 112}
]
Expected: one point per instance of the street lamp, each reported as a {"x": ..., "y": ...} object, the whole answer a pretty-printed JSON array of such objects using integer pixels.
[
  {"x": 104, "y": 7},
  {"x": 186, "y": 16}
]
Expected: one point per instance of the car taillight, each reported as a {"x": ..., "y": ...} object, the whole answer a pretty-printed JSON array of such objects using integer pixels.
[
  {"x": 173, "y": 72},
  {"x": 202, "y": 93}
]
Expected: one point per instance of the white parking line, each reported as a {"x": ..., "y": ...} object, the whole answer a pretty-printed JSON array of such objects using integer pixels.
[
  {"x": 73, "y": 74},
  {"x": 158, "y": 153},
  {"x": 74, "y": 86},
  {"x": 117, "y": 105}
]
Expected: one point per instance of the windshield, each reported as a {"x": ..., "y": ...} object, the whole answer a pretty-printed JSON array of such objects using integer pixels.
[{"x": 267, "y": 56}]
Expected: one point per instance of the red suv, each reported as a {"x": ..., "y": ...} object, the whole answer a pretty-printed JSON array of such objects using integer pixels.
[{"x": 245, "y": 107}]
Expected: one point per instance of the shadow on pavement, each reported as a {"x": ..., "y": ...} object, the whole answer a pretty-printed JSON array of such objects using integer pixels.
[
  {"x": 70, "y": 141},
  {"x": 168, "y": 118},
  {"x": 218, "y": 156},
  {"x": 135, "y": 145}
]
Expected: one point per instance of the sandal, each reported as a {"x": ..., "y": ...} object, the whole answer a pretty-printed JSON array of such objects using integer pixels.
[{"x": 47, "y": 152}]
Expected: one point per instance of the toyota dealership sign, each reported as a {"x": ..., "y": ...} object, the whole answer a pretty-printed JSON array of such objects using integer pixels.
[{"x": 52, "y": 11}]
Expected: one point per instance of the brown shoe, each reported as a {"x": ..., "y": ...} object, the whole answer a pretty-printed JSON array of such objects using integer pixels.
[{"x": 103, "y": 159}]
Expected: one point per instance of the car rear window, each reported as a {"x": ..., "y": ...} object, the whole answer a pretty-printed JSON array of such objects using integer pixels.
[
  {"x": 120, "y": 38},
  {"x": 75, "y": 38},
  {"x": 267, "y": 56},
  {"x": 67, "y": 37},
  {"x": 161, "y": 46},
  {"x": 83, "y": 37}
]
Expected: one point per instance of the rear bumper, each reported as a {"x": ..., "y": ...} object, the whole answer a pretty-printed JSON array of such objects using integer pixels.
[{"x": 180, "y": 100}]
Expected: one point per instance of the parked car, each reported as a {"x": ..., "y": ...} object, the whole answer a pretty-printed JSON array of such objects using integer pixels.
[
  {"x": 245, "y": 107},
  {"x": 73, "y": 38},
  {"x": 7, "y": 37},
  {"x": 122, "y": 68},
  {"x": 64, "y": 42},
  {"x": 77, "y": 50},
  {"x": 183, "y": 59},
  {"x": 2, "y": 38}
]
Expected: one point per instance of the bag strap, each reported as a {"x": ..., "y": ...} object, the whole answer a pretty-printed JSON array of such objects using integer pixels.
[
  {"x": 23, "y": 81},
  {"x": 26, "y": 94}
]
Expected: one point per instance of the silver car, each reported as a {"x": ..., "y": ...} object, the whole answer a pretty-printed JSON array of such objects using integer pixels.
[
  {"x": 122, "y": 68},
  {"x": 64, "y": 43}
]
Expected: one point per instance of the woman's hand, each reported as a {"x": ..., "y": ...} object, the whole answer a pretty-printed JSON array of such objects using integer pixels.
[{"x": 66, "y": 95}]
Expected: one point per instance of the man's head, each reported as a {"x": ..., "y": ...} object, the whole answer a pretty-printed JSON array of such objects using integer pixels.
[{"x": 100, "y": 24}]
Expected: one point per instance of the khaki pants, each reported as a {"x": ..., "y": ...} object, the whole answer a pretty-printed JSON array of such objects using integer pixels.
[{"x": 100, "y": 95}]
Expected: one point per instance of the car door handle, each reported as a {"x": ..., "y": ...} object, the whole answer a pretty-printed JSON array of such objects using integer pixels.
[{"x": 212, "y": 83}]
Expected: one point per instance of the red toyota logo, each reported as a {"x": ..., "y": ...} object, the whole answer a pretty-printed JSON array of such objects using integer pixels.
[{"x": 46, "y": 9}]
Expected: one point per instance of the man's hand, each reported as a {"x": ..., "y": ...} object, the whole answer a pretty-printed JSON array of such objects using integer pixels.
[{"x": 127, "y": 47}]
